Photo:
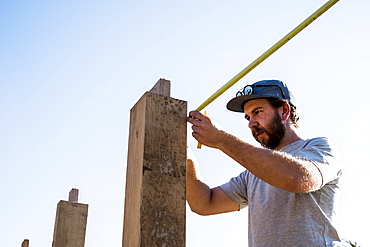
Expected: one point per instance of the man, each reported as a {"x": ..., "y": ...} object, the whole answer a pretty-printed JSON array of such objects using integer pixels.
[{"x": 291, "y": 185}]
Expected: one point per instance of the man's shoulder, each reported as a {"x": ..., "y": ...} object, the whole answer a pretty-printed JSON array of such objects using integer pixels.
[
  {"x": 319, "y": 139},
  {"x": 316, "y": 145},
  {"x": 323, "y": 142},
  {"x": 316, "y": 141}
]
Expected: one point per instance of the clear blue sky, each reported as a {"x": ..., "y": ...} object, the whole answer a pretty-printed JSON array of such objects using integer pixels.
[{"x": 70, "y": 71}]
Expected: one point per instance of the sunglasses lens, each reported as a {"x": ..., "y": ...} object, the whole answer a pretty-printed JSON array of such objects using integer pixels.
[
  {"x": 248, "y": 90},
  {"x": 268, "y": 90}
]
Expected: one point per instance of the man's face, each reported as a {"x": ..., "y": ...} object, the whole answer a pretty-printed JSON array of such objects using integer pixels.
[{"x": 265, "y": 122}]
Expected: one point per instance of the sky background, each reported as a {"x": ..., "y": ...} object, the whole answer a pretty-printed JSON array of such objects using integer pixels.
[{"x": 70, "y": 71}]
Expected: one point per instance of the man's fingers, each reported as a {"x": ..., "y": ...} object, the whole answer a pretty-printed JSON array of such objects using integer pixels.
[
  {"x": 195, "y": 128},
  {"x": 194, "y": 121},
  {"x": 199, "y": 124},
  {"x": 194, "y": 113},
  {"x": 197, "y": 115}
]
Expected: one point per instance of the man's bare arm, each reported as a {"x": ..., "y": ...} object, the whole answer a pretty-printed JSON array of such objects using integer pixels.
[
  {"x": 276, "y": 168},
  {"x": 203, "y": 200}
]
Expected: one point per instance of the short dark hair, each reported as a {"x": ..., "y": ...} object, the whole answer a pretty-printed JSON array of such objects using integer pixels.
[{"x": 276, "y": 103}]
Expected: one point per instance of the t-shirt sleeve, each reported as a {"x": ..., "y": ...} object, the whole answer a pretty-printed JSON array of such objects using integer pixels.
[
  {"x": 325, "y": 155},
  {"x": 236, "y": 189}
]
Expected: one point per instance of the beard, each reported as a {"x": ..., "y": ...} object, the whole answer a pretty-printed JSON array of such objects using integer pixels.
[{"x": 275, "y": 131}]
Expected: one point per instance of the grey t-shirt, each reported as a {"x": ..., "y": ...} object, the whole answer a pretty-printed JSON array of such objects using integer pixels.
[{"x": 281, "y": 218}]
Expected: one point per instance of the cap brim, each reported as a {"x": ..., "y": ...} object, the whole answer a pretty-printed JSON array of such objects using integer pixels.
[{"x": 237, "y": 104}]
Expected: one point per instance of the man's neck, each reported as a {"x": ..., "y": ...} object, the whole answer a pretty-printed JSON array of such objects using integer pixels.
[{"x": 291, "y": 135}]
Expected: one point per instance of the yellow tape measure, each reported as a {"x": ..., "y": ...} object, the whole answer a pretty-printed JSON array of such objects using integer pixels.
[{"x": 269, "y": 52}]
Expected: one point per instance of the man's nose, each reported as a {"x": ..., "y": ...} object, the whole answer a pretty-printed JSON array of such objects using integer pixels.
[{"x": 252, "y": 123}]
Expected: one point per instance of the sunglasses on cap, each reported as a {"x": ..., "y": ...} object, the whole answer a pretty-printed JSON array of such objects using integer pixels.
[{"x": 263, "y": 90}]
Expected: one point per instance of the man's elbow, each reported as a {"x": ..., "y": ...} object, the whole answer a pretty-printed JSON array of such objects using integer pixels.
[
  {"x": 303, "y": 184},
  {"x": 200, "y": 210}
]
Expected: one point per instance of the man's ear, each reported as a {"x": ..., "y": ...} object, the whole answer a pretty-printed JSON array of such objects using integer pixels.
[{"x": 285, "y": 111}]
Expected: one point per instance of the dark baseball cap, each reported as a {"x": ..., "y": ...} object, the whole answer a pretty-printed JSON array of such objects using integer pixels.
[{"x": 261, "y": 90}]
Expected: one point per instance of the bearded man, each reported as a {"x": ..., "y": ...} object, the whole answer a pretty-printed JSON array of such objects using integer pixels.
[{"x": 291, "y": 186}]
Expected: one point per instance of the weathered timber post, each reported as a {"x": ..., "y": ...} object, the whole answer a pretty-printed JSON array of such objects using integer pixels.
[
  {"x": 25, "y": 243},
  {"x": 70, "y": 222},
  {"x": 155, "y": 202},
  {"x": 73, "y": 195}
]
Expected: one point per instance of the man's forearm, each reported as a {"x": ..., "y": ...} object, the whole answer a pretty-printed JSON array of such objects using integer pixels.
[{"x": 276, "y": 168}]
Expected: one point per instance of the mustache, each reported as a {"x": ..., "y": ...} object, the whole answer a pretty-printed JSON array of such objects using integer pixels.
[{"x": 257, "y": 130}]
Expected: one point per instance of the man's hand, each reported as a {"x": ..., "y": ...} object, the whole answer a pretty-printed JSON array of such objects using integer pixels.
[{"x": 204, "y": 131}]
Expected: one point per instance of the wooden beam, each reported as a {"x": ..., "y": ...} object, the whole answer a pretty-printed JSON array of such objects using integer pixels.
[
  {"x": 162, "y": 87},
  {"x": 73, "y": 195},
  {"x": 25, "y": 243},
  {"x": 70, "y": 223},
  {"x": 155, "y": 200}
]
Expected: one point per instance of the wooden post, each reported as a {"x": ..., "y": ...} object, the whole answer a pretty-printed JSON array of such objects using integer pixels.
[
  {"x": 73, "y": 195},
  {"x": 25, "y": 243},
  {"x": 155, "y": 200},
  {"x": 162, "y": 87},
  {"x": 70, "y": 222}
]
